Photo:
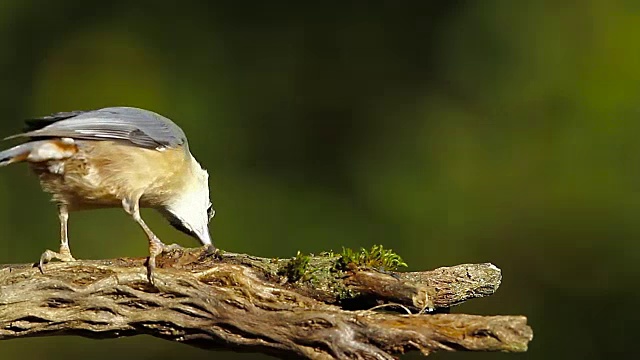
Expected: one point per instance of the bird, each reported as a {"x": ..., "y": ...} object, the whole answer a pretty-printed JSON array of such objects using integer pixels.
[{"x": 113, "y": 157}]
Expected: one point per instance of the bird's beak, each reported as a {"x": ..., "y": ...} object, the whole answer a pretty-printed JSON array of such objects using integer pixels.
[
  {"x": 205, "y": 239},
  {"x": 204, "y": 236}
]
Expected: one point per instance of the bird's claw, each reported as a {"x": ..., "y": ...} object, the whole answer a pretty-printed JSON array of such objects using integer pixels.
[
  {"x": 48, "y": 255},
  {"x": 157, "y": 247},
  {"x": 151, "y": 266}
]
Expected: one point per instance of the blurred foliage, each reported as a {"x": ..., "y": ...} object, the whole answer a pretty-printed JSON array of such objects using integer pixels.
[{"x": 452, "y": 131}]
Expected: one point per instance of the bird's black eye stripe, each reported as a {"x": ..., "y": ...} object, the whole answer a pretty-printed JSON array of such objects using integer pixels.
[{"x": 176, "y": 223}]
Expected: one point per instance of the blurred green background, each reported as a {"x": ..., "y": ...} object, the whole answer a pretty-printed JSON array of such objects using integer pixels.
[{"x": 450, "y": 131}]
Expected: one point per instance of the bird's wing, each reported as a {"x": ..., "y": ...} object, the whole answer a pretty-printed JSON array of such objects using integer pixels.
[{"x": 140, "y": 127}]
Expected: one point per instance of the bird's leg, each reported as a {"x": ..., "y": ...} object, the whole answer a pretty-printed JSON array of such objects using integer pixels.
[
  {"x": 63, "y": 216},
  {"x": 156, "y": 247},
  {"x": 65, "y": 253}
]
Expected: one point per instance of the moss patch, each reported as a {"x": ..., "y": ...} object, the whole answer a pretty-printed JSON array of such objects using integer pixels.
[
  {"x": 325, "y": 272},
  {"x": 296, "y": 268},
  {"x": 376, "y": 258}
]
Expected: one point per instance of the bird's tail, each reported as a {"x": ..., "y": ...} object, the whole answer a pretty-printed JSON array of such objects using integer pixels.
[
  {"x": 16, "y": 154},
  {"x": 37, "y": 151}
]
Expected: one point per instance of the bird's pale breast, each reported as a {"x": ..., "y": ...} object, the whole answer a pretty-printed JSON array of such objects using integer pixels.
[{"x": 102, "y": 173}]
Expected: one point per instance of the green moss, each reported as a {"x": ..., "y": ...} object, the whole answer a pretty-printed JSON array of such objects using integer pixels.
[
  {"x": 295, "y": 269},
  {"x": 377, "y": 258},
  {"x": 324, "y": 272}
]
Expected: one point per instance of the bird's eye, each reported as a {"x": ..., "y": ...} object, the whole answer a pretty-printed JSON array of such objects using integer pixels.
[{"x": 210, "y": 211}]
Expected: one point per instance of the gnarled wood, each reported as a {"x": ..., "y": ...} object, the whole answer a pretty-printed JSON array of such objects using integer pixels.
[{"x": 239, "y": 302}]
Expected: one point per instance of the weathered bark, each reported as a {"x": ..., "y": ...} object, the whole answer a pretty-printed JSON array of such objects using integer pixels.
[{"x": 244, "y": 303}]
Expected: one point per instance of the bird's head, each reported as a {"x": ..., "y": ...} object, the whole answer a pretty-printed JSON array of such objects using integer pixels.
[{"x": 190, "y": 209}]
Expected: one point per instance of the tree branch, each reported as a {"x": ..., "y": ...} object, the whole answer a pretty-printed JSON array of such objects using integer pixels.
[{"x": 302, "y": 307}]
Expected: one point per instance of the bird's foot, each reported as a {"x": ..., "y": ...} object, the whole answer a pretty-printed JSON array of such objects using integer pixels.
[
  {"x": 64, "y": 255},
  {"x": 156, "y": 247}
]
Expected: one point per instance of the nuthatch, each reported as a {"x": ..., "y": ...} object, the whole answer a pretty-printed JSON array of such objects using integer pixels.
[{"x": 112, "y": 157}]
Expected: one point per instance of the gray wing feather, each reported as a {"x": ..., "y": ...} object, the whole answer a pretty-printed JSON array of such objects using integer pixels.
[{"x": 140, "y": 127}]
